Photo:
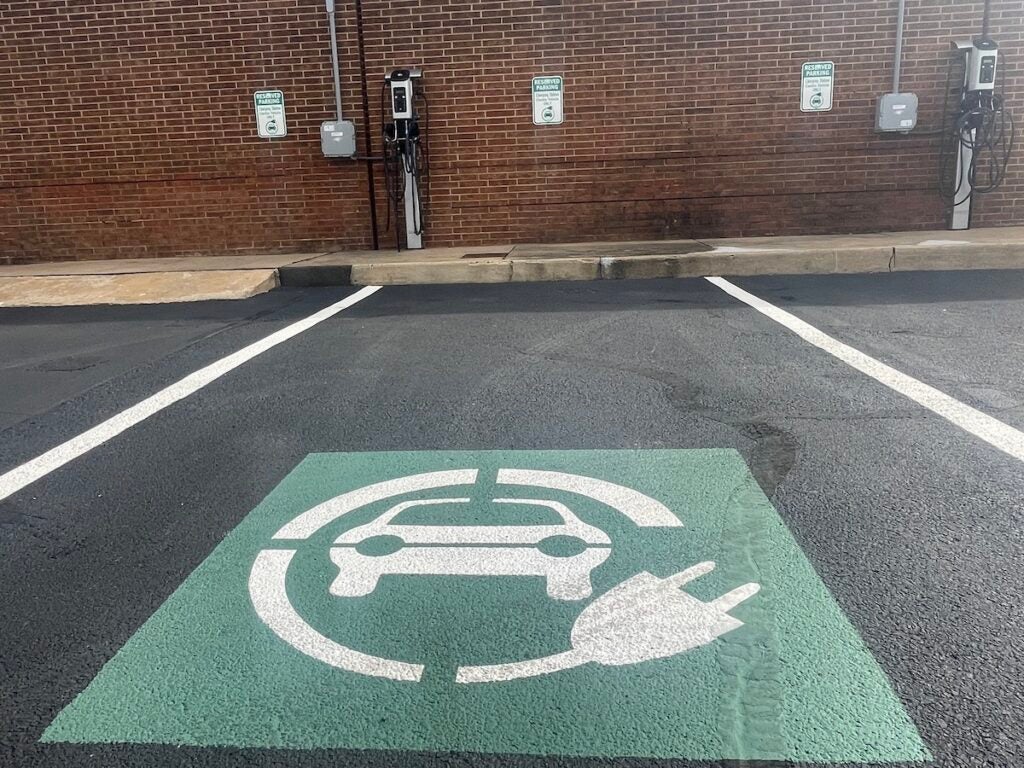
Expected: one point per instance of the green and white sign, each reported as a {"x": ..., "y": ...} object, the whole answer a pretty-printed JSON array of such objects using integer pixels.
[
  {"x": 817, "y": 83},
  {"x": 548, "y": 100},
  {"x": 270, "y": 119},
  {"x": 563, "y": 603}
]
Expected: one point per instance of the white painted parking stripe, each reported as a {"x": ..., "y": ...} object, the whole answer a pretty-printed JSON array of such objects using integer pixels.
[
  {"x": 13, "y": 481},
  {"x": 981, "y": 425}
]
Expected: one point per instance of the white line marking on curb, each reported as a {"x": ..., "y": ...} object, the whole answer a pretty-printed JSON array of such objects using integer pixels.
[
  {"x": 981, "y": 425},
  {"x": 13, "y": 481}
]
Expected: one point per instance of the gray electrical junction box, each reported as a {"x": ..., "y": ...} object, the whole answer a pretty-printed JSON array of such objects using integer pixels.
[
  {"x": 338, "y": 138},
  {"x": 897, "y": 112}
]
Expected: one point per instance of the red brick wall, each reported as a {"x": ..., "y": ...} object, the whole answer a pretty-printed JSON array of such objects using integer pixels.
[{"x": 128, "y": 128}]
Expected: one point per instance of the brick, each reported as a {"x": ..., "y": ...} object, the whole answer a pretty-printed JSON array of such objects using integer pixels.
[{"x": 129, "y": 127}]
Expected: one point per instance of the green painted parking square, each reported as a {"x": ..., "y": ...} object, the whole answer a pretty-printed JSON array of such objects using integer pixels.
[{"x": 572, "y": 603}]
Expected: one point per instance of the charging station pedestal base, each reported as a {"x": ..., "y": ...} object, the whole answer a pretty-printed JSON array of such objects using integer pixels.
[
  {"x": 413, "y": 214},
  {"x": 404, "y": 155},
  {"x": 960, "y": 215}
]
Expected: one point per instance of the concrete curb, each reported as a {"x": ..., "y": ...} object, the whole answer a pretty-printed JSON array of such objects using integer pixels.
[
  {"x": 317, "y": 276},
  {"x": 136, "y": 288},
  {"x": 143, "y": 281},
  {"x": 727, "y": 262},
  {"x": 432, "y": 272}
]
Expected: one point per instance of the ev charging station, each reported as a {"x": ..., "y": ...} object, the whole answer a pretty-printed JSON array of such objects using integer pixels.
[
  {"x": 405, "y": 142},
  {"x": 978, "y": 132},
  {"x": 405, "y": 151},
  {"x": 980, "y": 142}
]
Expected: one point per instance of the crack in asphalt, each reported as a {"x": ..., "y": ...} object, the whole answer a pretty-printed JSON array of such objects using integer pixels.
[{"x": 774, "y": 452}]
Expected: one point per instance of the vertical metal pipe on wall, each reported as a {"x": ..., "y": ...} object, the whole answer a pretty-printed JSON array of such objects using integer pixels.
[
  {"x": 335, "y": 66},
  {"x": 897, "y": 64},
  {"x": 367, "y": 140}
]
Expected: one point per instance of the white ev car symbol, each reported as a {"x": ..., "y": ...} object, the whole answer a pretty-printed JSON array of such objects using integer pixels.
[
  {"x": 645, "y": 617},
  {"x": 470, "y": 550}
]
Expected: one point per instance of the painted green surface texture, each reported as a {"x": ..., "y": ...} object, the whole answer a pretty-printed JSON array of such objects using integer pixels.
[{"x": 795, "y": 682}]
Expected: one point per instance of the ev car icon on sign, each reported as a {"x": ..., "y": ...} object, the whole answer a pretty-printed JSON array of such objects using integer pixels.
[
  {"x": 548, "y": 100},
  {"x": 643, "y": 618}
]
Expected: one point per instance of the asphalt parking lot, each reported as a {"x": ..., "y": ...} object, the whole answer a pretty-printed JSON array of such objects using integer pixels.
[{"x": 225, "y": 578}]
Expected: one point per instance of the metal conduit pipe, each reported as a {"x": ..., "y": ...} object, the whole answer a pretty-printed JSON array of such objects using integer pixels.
[
  {"x": 897, "y": 64},
  {"x": 335, "y": 66}
]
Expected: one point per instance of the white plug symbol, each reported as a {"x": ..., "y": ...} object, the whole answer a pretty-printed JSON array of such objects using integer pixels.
[
  {"x": 643, "y": 618},
  {"x": 646, "y": 618}
]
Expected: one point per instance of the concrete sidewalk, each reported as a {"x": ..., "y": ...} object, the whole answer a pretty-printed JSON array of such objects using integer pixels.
[{"x": 234, "y": 277}]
